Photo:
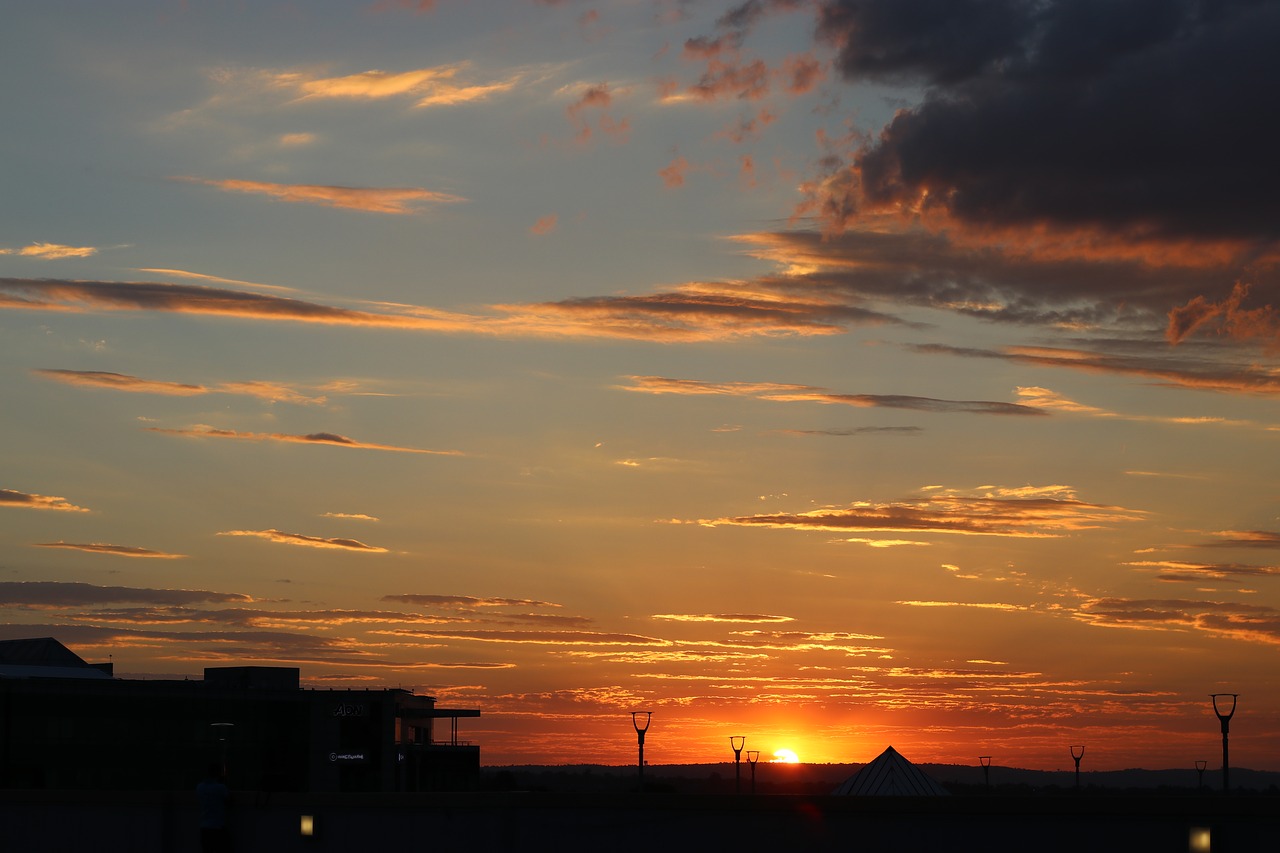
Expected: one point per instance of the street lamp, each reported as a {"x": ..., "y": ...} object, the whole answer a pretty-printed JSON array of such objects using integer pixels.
[
  {"x": 1224, "y": 716},
  {"x": 640, "y": 730},
  {"x": 753, "y": 755},
  {"x": 985, "y": 761},
  {"x": 222, "y": 731},
  {"x": 1200, "y": 766},
  {"x": 1077, "y": 752},
  {"x": 736, "y": 742}
]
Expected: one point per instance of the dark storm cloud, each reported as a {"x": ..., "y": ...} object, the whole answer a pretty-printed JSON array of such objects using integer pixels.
[
  {"x": 1148, "y": 117},
  {"x": 60, "y": 594}
]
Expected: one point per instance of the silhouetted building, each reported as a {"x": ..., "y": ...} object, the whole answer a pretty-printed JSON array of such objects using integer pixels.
[
  {"x": 890, "y": 775},
  {"x": 65, "y": 723}
]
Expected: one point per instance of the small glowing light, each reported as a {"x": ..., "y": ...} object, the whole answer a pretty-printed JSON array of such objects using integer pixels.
[
  {"x": 785, "y": 756},
  {"x": 1199, "y": 841},
  {"x": 308, "y": 826}
]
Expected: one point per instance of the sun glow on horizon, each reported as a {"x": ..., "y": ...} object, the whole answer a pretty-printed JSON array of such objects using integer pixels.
[{"x": 785, "y": 756}]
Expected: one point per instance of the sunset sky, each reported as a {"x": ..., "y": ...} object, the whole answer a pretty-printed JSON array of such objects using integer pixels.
[{"x": 838, "y": 374}]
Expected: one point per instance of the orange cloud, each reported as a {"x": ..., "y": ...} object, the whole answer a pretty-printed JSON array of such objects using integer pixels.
[
  {"x": 57, "y": 594},
  {"x": 544, "y": 225},
  {"x": 693, "y": 312},
  {"x": 597, "y": 97},
  {"x": 1008, "y": 513},
  {"x": 9, "y": 497},
  {"x": 806, "y": 393},
  {"x": 281, "y": 537},
  {"x": 327, "y": 438},
  {"x": 542, "y": 638},
  {"x": 1248, "y": 622},
  {"x": 673, "y": 173},
  {"x": 802, "y": 73},
  {"x": 1204, "y": 374},
  {"x": 466, "y": 601},
  {"x": 115, "y": 550},
  {"x": 433, "y": 87},
  {"x": 1230, "y": 315},
  {"x": 720, "y": 617},
  {"x": 398, "y": 201},
  {"x": 272, "y": 391},
  {"x": 51, "y": 251},
  {"x": 120, "y": 382}
]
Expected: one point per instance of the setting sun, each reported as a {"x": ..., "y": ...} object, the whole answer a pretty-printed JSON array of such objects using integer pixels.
[{"x": 785, "y": 756}]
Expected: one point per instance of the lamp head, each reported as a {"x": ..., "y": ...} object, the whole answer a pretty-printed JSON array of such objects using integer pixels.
[
  {"x": 636, "y": 721},
  {"x": 1224, "y": 712},
  {"x": 984, "y": 760},
  {"x": 753, "y": 755},
  {"x": 1077, "y": 752},
  {"x": 736, "y": 742}
]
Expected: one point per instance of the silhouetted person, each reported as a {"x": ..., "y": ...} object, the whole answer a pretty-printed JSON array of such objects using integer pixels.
[{"x": 214, "y": 797}]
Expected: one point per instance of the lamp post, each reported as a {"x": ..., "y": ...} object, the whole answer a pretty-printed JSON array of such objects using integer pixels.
[
  {"x": 753, "y": 755},
  {"x": 223, "y": 733},
  {"x": 736, "y": 742},
  {"x": 1224, "y": 716},
  {"x": 1200, "y": 766},
  {"x": 1077, "y": 752},
  {"x": 985, "y": 761},
  {"x": 640, "y": 730}
]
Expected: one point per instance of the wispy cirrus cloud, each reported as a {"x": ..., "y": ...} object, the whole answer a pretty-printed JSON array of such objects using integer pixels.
[
  {"x": 120, "y": 382},
  {"x": 113, "y": 550},
  {"x": 465, "y": 601},
  {"x": 74, "y": 594},
  {"x": 279, "y": 536},
  {"x": 23, "y": 500},
  {"x": 1165, "y": 368},
  {"x": 270, "y": 391},
  {"x": 721, "y": 617},
  {"x": 393, "y": 200},
  {"x": 1197, "y": 572},
  {"x": 694, "y": 312},
  {"x": 543, "y": 638},
  {"x": 437, "y": 86},
  {"x": 1244, "y": 539},
  {"x": 216, "y": 279},
  {"x": 1249, "y": 622},
  {"x": 850, "y": 431},
  {"x": 316, "y": 438},
  {"x": 51, "y": 251},
  {"x": 979, "y": 605},
  {"x": 806, "y": 393},
  {"x": 1016, "y": 513}
]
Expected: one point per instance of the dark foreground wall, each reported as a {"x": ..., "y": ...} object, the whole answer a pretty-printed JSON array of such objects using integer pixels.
[{"x": 165, "y": 822}]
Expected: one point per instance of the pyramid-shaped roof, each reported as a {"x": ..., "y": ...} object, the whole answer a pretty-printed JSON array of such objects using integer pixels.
[
  {"x": 43, "y": 657},
  {"x": 890, "y": 775}
]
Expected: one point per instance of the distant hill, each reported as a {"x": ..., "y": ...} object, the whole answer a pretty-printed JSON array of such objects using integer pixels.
[{"x": 820, "y": 779}]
